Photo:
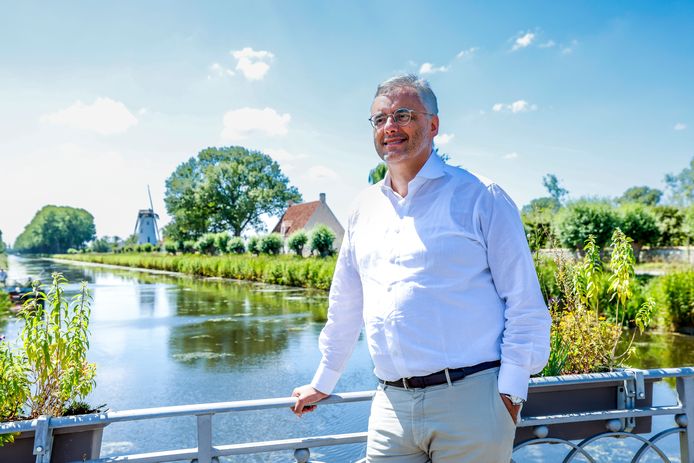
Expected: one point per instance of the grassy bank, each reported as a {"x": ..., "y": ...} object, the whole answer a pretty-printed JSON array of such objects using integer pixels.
[
  {"x": 309, "y": 272},
  {"x": 3, "y": 260}
]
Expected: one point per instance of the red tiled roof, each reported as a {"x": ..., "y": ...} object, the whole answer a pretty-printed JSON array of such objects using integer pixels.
[{"x": 296, "y": 217}]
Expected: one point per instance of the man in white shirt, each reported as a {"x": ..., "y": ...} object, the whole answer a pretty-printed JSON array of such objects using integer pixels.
[{"x": 436, "y": 267}]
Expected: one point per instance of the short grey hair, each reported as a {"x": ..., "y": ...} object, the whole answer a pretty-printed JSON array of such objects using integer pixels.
[{"x": 413, "y": 81}]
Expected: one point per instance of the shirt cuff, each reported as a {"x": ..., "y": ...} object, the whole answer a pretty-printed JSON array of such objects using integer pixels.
[
  {"x": 325, "y": 379},
  {"x": 513, "y": 380}
]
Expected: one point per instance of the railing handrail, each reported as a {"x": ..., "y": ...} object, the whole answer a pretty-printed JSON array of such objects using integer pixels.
[{"x": 336, "y": 398}]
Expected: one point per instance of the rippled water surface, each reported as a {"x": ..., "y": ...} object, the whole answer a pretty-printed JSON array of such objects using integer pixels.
[{"x": 167, "y": 340}]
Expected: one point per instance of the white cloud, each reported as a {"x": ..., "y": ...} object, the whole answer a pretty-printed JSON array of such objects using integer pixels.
[
  {"x": 568, "y": 49},
  {"x": 428, "y": 68},
  {"x": 240, "y": 123},
  {"x": 217, "y": 70},
  {"x": 321, "y": 173},
  {"x": 680, "y": 126},
  {"x": 518, "y": 106},
  {"x": 466, "y": 53},
  {"x": 253, "y": 64},
  {"x": 523, "y": 41},
  {"x": 511, "y": 156},
  {"x": 105, "y": 116},
  {"x": 443, "y": 138},
  {"x": 548, "y": 44},
  {"x": 281, "y": 154}
]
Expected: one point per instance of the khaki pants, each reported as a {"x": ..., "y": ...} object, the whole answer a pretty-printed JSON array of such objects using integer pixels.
[{"x": 463, "y": 422}]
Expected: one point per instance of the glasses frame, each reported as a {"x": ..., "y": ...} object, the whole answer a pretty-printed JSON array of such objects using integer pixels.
[{"x": 408, "y": 110}]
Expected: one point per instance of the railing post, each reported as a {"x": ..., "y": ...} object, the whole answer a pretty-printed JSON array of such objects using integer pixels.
[
  {"x": 685, "y": 391},
  {"x": 43, "y": 439},
  {"x": 205, "y": 438}
]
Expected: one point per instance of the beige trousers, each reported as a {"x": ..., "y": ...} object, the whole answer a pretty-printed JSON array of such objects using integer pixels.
[{"x": 463, "y": 422}]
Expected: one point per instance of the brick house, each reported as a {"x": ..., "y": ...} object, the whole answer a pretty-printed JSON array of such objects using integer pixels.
[{"x": 306, "y": 216}]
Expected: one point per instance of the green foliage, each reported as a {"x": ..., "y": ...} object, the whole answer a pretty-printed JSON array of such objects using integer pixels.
[
  {"x": 283, "y": 270},
  {"x": 188, "y": 246},
  {"x": 644, "y": 195},
  {"x": 225, "y": 189},
  {"x": 100, "y": 245},
  {"x": 537, "y": 220},
  {"x": 580, "y": 219},
  {"x": 2, "y": 244},
  {"x": 378, "y": 173},
  {"x": 146, "y": 247},
  {"x": 551, "y": 182},
  {"x": 48, "y": 370},
  {"x": 322, "y": 238},
  {"x": 297, "y": 241},
  {"x": 271, "y": 244},
  {"x": 206, "y": 244},
  {"x": 5, "y": 304},
  {"x": 670, "y": 220},
  {"x": 254, "y": 245},
  {"x": 675, "y": 291},
  {"x": 639, "y": 224},
  {"x": 236, "y": 245},
  {"x": 590, "y": 302},
  {"x": 681, "y": 185},
  {"x": 54, "y": 229},
  {"x": 688, "y": 224},
  {"x": 221, "y": 242},
  {"x": 171, "y": 247}
]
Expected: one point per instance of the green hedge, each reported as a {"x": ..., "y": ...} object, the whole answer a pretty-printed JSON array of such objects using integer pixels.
[
  {"x": 675, "y": 292},
  {"x": 282, "y": 270}
]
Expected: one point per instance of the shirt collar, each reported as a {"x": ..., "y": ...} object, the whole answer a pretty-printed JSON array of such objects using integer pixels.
[{"x": 433, "y": 168}]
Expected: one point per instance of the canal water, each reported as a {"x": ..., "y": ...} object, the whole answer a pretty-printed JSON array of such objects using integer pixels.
[{"x": 163, "y": 340}]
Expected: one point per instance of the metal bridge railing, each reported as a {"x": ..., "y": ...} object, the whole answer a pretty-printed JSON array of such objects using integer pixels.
[{"x": 207, "y": 452}]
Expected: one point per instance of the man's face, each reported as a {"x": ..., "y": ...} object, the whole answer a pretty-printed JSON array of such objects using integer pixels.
[{"x": 409, "y": 143}]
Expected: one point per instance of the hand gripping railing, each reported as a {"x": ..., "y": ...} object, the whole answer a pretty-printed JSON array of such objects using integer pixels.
[{"x": 618, "y": 422}]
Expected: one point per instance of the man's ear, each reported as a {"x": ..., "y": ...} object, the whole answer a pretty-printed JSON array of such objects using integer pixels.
[{"x": 434, "y": 126}]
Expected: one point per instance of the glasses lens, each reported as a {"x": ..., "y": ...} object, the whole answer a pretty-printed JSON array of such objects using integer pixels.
[
  {"x": 378, "y": 119},
  {"x": 402, "y": 116}
]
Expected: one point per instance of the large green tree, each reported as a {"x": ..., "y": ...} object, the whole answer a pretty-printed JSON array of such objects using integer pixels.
[
  {"x": 681, "y": 185},
  {"x": 2, "y": 243},
  {"x": 55, "y": 229},
  {"x": 224, "y": 189},
  {"x": 642, "y": 195}
]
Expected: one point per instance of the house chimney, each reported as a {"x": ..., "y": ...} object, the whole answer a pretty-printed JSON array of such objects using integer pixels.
[
  {"x": 322, "y": 197},
  {"x": 290, "y": 203}
]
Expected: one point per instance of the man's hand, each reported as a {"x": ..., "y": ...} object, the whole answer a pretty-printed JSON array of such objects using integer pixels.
[
  {"x": 513, "y": 410},
  {"x": 306, "y": 395}
]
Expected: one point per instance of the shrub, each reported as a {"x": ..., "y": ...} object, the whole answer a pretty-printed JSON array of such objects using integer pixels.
[
  {"x": 48, "y": 371},
  {"x": 639, "y": 223},
  {"x": 583, "y": 218},
  {"x": 221, "y": 242},
  {"x": 188, "y": 246},
  {"x": 271, "y": 244},
  {"x": 236, "y": 245},
  {"x": 146, "y": 247},
  {"x": 676, "y": 293},
  {"x": 322, "y": 239},
  {"x": 72, "y": 251},
  {"x": 297, "y": 241},
  {"x": 670, "y": 220},
  {"x": 206, "y": 244},
  {"x": 254, "y": 245},
  {"x": 171, "y": 247},
  {"x": 5, "y": 304}
]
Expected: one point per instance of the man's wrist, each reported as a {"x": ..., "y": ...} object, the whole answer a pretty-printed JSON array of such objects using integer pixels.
[{"x": 515, "y": 400}]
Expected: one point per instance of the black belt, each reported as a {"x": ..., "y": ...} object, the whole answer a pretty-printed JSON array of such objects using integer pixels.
[{"x": 434, "y": 379}]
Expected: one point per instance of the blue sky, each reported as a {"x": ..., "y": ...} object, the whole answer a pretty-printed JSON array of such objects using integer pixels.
[{"x": 98, "y": 100}]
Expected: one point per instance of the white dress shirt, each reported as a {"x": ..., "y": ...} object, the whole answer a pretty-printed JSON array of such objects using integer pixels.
[{"x": 442, "y": 278}]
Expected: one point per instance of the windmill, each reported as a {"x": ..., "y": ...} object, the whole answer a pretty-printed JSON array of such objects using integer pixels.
[{"x": 146, "y": 228}]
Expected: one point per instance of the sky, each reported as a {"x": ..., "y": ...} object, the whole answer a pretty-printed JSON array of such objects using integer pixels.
[{"x": 98, "y": 100}]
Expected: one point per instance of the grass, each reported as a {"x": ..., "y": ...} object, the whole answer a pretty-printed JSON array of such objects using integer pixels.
[{"x": 312, "y": 272}]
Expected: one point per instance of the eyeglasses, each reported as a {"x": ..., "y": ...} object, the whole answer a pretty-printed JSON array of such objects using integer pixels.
[{"x": 401, "y": 116}]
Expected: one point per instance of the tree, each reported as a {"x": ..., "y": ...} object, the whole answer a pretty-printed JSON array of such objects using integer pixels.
[
  {"x": 225, "y": 189},
  {"x": 55, "y": 229},
  {"x": 551, "y": 182},
  {"x": 2, "y": 244},
  {"x": 378, "y": 173},
  {"x": 322, "y": 239},
  {"x": 639, "y": 223},
  {"x": 681, "y": 186},
  {"x": 670, "y": 220},
  {"x": 583, "y": 218},
  {"x": 297, "y": 241},
  {"x": 271, "y": 244},
  {"x": 537, "y": 219},
  {"x": 642, "y": 195}
]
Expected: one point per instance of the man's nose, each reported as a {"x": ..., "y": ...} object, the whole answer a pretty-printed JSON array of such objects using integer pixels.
[{"x": 390, "y": 125}]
